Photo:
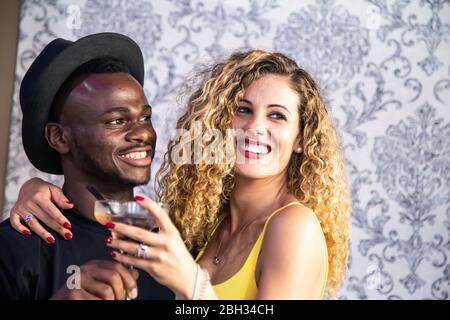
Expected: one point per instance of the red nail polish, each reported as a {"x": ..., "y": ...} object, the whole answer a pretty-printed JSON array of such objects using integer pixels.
[
  {"x": 68, "y": 236},
  {"x": 26, "y": 232},
  {"x": 51, "y": 240},
  {"x": 67, "y": 225},
  {"x": 139, "y": 198},
  {"x": 69, "y": 203},
  {"x": 110, "y": 225},
  {"x": 108, "y": 240},
  {"x": 112, "y": 254}
]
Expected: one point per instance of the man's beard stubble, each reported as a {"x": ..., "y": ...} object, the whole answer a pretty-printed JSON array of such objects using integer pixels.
[{"x": 109, "y": 178}]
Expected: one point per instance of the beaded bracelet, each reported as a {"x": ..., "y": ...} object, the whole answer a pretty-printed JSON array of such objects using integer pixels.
[
  {"x": 195, "y": 283},
  {"x": 204, "y": 286},
  {"x": 203, "y": 276}
]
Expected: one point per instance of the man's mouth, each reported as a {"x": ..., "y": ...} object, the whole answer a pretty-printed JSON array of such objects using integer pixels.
[
  {"x": 137, "y": 157},
  {"x": 256, "y": 149}
]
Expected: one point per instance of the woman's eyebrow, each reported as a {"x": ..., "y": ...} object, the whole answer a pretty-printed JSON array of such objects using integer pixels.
[
  {"x": 246, "y": 101},
  {"x": 272, "y": 105}
]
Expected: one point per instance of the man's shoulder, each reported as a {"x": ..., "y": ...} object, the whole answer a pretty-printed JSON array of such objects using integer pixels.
[
  {"x": 19, "y": 263},
  {"x": 14, "y": 244},
  {"x": 7, "y": 232}
]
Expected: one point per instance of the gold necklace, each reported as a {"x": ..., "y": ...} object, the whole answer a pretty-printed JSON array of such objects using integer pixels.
[{"x": 217, "y": 259}]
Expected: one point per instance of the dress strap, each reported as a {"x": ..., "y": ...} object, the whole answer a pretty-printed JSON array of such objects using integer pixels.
[
  {"x": 276, "y": 211},
  {"x": 219, "y": 221},
  {"x": 213, "y": 231},
  {"x": 223, "y": 216}
]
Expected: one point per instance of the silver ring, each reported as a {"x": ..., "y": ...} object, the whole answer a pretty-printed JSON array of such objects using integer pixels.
[
  {"x": 142, "y": 251},
  {"x": 28, "y": 218}
]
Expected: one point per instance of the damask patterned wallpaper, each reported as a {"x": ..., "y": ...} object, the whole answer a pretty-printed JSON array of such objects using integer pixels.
[{"x": 384, "y": 68}]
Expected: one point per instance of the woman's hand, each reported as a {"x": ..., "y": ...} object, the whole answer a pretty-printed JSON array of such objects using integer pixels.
[
  {"x": 167, "y": 260},
  {"x": 38, "y": 197}
]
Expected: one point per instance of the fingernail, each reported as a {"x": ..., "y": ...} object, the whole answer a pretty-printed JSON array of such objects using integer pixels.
[
  {"x": 51, "y": 240},
  {"x": 108, "y": 240},
  {"x": 69, "y": 203},
  {"x": 110, "y": 225},
  {"x": 139, "y": 198},
  {"x": 26, "y": 232},
  {"x": 67, "y": 225},
  {"x": 133, "y": 293},
  {"x": 68, "y": 235},
  {"x": 112, "y": 254}
]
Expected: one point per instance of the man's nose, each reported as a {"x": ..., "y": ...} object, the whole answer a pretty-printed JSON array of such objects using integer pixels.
[{"x": 140, "y": 133}]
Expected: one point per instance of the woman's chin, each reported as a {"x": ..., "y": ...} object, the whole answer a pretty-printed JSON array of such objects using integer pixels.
[{"x": 254, "y": 172}]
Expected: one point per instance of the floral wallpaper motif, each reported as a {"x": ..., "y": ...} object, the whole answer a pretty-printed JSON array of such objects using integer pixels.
[
  {"x": 383, "y": 67},
  {"x": 430, "y": 32},
  {"x": 412, "y": 165},
  {"x": 135, "y": 16},
  {"x": 327, "y": 39}
]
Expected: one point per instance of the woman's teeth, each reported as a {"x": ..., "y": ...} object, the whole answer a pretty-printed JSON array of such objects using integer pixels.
[
  {"x": 259, "y": 149},
  {"x": 135, "y": 155}
]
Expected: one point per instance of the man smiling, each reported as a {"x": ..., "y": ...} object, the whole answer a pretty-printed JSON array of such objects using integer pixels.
[{"x": 85, "y": 115}]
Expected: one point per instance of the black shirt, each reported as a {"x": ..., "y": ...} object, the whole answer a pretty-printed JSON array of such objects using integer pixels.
[{"x": 30, "y": 268}]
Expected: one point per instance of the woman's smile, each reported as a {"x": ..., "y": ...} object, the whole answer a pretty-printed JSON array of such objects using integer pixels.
[{"x": 254, "y": 149}]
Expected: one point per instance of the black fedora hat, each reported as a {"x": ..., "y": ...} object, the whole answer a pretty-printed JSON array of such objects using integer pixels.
[{"x": 57, "y": 61}]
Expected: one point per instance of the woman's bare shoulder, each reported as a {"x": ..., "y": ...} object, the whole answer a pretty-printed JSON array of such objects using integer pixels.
[
  {"x": 296, "y": 217},
  {"x": 296, "y": 225}
]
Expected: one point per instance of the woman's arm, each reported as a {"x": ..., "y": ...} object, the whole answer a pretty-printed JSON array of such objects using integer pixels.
[
  {"x": 293, "y": 260},
  {"x": 40, "y": 198}
]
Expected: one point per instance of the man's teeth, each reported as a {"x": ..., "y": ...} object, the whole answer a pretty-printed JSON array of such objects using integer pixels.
[
  {"x": 257, "y": 149},
  {"x": 135, "y": 155}
]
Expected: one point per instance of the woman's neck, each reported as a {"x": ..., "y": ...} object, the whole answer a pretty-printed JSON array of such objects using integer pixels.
[{"x": 255, "y": 197}]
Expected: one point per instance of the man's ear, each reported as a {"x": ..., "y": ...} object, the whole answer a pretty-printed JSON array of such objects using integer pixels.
[{"x": 57, "y": 137}]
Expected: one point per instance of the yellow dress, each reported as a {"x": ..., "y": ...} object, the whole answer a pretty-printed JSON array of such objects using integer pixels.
[{"x": 242, "y": 285}]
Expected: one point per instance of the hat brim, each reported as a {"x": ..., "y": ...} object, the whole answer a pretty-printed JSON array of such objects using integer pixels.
[{"x": 117, "y": 46}]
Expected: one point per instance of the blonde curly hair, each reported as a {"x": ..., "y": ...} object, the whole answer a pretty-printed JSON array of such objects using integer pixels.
[{"x": 197, "y": 193}]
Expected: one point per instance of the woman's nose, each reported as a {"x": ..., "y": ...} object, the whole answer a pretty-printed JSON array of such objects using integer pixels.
[{"x": 257, "y": 125}]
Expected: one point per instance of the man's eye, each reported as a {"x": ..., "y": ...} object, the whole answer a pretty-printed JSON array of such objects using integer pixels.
[
  {"x": 147, "y": 118},
  {"x": 116, "y": 122},
  {"x": 277, "y": 116}
]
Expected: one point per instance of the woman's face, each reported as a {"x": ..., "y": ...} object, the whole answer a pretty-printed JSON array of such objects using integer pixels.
[{"x": 267, "y": 124}]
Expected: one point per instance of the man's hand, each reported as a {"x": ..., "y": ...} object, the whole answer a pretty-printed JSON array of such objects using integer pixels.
[{"x": 102, "y": 280}]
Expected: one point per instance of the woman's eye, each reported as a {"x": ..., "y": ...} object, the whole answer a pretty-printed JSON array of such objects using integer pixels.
[
  {"x": 243, "y": 110},
  {"x": 278, "y": 116}
]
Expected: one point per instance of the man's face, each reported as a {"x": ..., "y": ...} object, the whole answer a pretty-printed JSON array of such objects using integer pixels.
[{"x": 111, "y": 134}]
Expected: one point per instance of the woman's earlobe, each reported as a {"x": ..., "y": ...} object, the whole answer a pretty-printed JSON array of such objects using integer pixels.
[{"x": 297, "y": 144}]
